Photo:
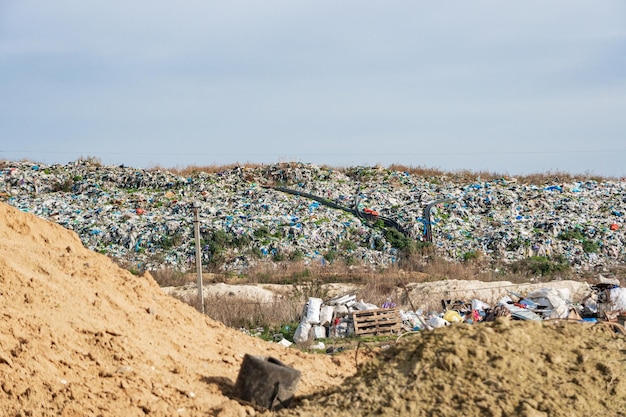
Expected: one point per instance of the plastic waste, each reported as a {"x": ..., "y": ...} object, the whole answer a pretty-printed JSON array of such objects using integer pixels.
[
  {"x": 144, "y": 216},
  {"x": 452, "y": 316}
]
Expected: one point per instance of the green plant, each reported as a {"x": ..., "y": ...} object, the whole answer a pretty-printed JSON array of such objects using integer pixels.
[
  {"x": 241, "y": 241},
  {"x": 256, "y": 252},
  {"x": 471, "y": 256},
  {"x": 571, "y": 234},
  {"x": 399, "y": 240},
  {"x": 278, "y": 256},
  {"x": 262, "y": 232},
  {"x": 348, "y": 245},
  {"x": 590, "y": 246},
  {"x": 330, "y": 256},
  {"x": 296, "y": 255},
  {"x": 540, "y": 265},
  {"x": 168, "y": 242}
]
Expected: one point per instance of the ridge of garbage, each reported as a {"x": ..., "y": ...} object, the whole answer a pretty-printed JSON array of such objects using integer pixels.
[{"x": 145, "y": 216}]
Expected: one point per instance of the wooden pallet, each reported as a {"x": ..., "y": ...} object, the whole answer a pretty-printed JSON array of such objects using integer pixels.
[{"x": 377, "y": 322}]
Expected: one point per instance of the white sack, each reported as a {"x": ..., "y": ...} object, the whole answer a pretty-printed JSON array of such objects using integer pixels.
[
  {"x": 313, "y": 310},
  {"x": 302, "y": 332},
  {"x": 326, "y": 315}
]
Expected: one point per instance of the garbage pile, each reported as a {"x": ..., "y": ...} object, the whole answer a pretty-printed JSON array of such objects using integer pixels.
[
  {"x": 331, "y": 319},
  {"x": 336, "y": 318},
  {"x": 604, "y": 301},
  {"x": 145, "y": 216}
]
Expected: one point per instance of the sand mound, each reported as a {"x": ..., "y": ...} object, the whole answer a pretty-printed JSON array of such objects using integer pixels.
[
  {"x": 508, "y": 368},
  {"x": 80, "y": 336}
]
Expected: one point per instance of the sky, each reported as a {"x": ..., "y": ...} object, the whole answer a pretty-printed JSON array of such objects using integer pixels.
[{"x": 504, "y": 87}]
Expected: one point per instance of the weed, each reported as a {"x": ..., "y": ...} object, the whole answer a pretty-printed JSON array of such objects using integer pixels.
[
  {"x": 348, "y": 245},
  {"x": 399, "y": 240},
  {"x": 590, "y": 246},
  {"x": 308, "y": 289},
  {"x": 571, "y": 234},
  {"x": 262, "y": 232},
  {"x": 296, "y": 255},
  {"x": 256, "y": 252},
  {"x": 471, "y": 256},
  {"x": 168, "y": 277},
  {"x": 540, "y": 265},
  {"x": 331, "y": 255},
  {"x": 278, "y": 256},
  {"x": 168, "y": 242}
]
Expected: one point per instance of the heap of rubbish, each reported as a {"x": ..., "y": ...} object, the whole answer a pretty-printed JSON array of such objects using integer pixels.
[
  {"x": 344, "y": 316},
  {"x": 145, "y": 217}
]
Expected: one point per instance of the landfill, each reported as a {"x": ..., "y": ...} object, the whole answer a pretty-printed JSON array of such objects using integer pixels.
[
  {"x": 145, "y": 216},
  {"x": 82, "y": 336}
]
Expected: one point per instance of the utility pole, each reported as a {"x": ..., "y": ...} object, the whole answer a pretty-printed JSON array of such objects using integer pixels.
[{"x": 196, "y": 232}]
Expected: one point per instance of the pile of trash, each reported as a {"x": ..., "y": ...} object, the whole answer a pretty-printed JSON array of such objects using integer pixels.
[
  {"x": 329, "y": 319},
  {"x": 335, "y": 318},
  {"x": 146, "y": 216}
]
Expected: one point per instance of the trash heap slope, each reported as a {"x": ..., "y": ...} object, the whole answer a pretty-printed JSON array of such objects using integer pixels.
[
  {"x": 145, "y": 216},
  {"x": 507, "y": 368},
  {"x": 80, "y": 336}
]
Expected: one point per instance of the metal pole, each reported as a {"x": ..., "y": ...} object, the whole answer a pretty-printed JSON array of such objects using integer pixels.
[{"x": 196, "y": 232}]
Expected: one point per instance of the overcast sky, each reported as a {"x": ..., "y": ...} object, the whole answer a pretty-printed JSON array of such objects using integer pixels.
[{"x": 506, "y": 87}]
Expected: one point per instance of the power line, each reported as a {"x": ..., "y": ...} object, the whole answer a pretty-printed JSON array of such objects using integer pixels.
[{"x": 279, "y": 154}]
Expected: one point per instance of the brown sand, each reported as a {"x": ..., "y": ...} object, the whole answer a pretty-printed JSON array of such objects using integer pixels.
[
  {"x": 505, "y": 368},
  {"x": 81, "y": 337}
]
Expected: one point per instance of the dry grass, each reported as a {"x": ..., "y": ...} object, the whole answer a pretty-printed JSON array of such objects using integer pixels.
[
  {"x": 376, "y": 286},
  {"x": 416, "y": 267},
  {"x": 240, "y": 312},
  {"x": 190, "y": 170},
  {"x": 464, "y": 175},
  {"x": 549, "y": 177},
  {"x": 169, "y": 277}
]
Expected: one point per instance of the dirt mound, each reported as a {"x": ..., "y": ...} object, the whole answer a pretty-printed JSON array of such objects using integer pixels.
[
  {"x": 508, "y": 368},
  {"x": 80, "y": 336}
]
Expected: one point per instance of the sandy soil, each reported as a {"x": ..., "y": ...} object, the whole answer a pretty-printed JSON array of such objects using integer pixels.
[
  {"x": 508, "y": 368},
  {"x": 81, "y": 337}
]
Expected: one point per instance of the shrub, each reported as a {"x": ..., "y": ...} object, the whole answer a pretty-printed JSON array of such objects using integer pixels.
[
  {"x": 399, "y": 240},
  {"x": 471, "y": 256},
  {"x": 348, "y": 245},
  {"x": 571, "y": 234},
  {"x": 330, "y": 256},
  {"x": 278, "y": 256},
  {"x": 168, "y": 242},
  {"x": 540, "y": 265},
  {"x": 262, "y": 232},
  {"x": 590, "y": 246},
  {"x": 296, "y": 255},
  {"x": 168, "y": 277}
]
